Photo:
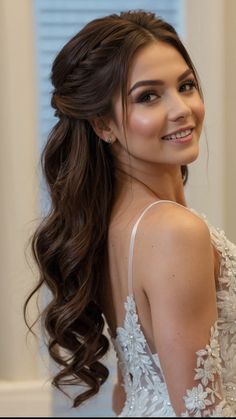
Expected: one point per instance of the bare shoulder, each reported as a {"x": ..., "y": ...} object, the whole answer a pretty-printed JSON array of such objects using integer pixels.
[
  {"x": 174, "y": 243},
  {"x": 172, "y": 224}
]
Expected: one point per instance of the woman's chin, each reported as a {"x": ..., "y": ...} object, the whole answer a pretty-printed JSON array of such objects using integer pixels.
[{"x": 191, "y": 155}]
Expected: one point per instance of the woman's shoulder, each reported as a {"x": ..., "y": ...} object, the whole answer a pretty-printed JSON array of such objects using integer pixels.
[
  {"x": 166, "y": 219},
  {"x": 171, "y": 237},
  {"x": 157, "y": 219},
  {"x": 175, "y": 244}
]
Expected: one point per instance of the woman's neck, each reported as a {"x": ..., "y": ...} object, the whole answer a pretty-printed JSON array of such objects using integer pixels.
[{"x": 168, "y": 187}]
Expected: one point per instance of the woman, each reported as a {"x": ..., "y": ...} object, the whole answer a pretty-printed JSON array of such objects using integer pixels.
[{"x": 120, "y": 242}]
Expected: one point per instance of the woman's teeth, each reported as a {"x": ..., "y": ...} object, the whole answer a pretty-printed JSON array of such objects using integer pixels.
[{"x": 179, "y": 134}]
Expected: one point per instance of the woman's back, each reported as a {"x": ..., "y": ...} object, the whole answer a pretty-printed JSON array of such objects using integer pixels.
[{"x": 122, "y": 222}]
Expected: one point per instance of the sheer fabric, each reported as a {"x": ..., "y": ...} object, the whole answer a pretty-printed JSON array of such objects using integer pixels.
[{"x": 214, "y": 393}]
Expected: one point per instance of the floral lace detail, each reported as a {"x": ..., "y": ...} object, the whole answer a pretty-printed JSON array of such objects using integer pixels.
[
  {"x": 208, "y": 371},
  {"x": 215, "y": 374},
  {"x": 144, "y": 384}
]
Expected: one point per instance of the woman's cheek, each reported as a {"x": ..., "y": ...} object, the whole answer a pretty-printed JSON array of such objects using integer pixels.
[{"x": 145, "y": 123}]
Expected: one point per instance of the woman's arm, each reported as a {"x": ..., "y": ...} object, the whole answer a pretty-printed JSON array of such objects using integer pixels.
[{"x": 180, "y": 287}]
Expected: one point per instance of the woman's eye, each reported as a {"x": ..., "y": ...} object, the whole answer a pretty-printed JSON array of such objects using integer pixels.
[
  {"x": 188, "y": 85},
  {"x": 147, "y": 97}
]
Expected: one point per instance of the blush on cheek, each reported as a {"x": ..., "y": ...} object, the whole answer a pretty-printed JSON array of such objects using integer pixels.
[{"x": 144, "y": 125}]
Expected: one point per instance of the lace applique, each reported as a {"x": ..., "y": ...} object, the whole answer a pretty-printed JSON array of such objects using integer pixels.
[
  {"x": 144, "y": 384},
  {"x": 146, "y": 389},
  {"x": 208, "y": 392}
]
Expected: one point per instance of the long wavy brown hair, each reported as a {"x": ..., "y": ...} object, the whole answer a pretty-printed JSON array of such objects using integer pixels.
[{"x": 70, "y": 244}]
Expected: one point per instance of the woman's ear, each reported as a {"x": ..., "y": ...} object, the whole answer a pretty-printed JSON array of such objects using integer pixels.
[{"x": 102, "y": 130}]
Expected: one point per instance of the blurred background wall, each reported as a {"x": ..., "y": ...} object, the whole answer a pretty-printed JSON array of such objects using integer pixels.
[{"x": 209, "y": 33}]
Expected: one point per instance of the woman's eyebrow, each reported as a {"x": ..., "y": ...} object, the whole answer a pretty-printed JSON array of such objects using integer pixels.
[{"x": 156, "y": 82}]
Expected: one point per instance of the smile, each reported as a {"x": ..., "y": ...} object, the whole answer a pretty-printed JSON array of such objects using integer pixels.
[{"x": 177, "y": 135}]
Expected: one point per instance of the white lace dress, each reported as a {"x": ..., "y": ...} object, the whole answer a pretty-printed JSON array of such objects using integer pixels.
[{"x": 214, "y": 394}]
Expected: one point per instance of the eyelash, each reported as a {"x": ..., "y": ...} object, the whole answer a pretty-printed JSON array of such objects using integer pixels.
[
  {"x": 141, "y": 99},
  {"x": 144, "y": 95},
  {"x": 192, "y": 83}
]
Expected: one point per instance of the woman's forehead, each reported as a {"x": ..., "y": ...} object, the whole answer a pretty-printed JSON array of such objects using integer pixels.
[{"x": 156, "y": 60}]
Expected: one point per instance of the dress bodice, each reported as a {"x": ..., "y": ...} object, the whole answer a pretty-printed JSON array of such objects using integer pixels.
[{"x": 144, "y": 381}]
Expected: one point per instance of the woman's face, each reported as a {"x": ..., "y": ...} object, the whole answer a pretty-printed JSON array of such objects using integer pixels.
[{"x": 164, "y": 110}]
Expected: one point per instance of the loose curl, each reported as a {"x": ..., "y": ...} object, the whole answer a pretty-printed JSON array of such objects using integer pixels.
[{"x": 70, "y": 244}]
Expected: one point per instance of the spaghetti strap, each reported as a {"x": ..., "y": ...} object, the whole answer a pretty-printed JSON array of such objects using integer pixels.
[{"x": 132, "y": 239}]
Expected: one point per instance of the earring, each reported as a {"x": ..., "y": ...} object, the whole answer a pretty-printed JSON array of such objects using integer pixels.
[{"x": 110, "y": 139}]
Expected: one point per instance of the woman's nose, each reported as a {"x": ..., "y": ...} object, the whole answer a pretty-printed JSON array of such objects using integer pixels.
[{"x": 178, "y": 107}]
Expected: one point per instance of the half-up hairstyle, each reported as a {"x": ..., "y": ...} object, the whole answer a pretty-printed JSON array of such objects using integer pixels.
[{"x": 70, "y": 244}]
